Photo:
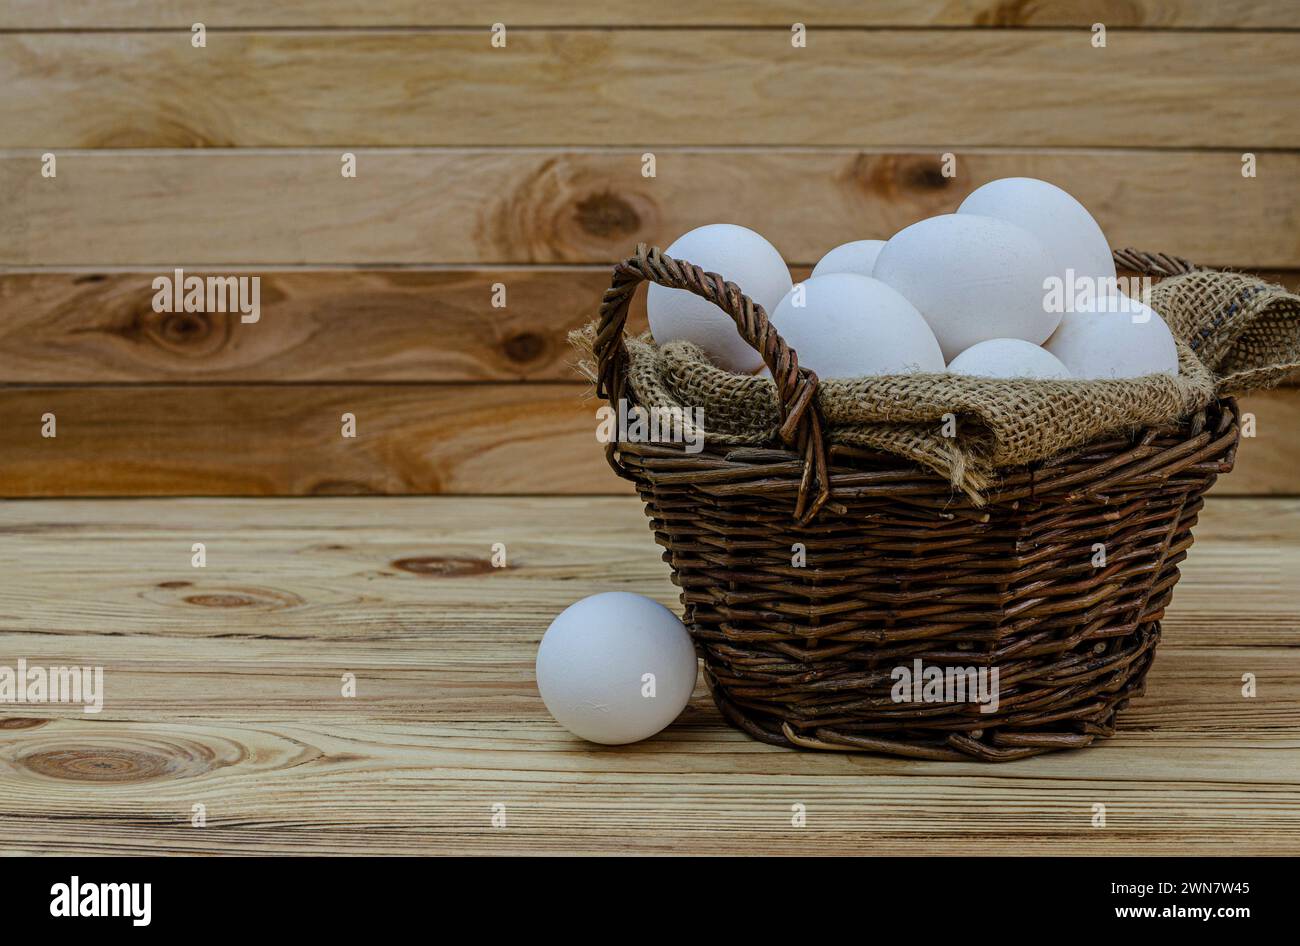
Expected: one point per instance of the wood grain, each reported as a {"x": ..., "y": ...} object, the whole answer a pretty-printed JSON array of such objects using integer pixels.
[
  {"x": 404, "y": 788},
  {"x": 1264, "y": 463},
  {"x": 317, "y": 325},
  {"x": 238, "y": 707},
  {"x": 932, "y": 88},
  {"x": 285, "y": 440},
  {"x": 250, "y": 14},
  {"x": 573, "y": 206}
]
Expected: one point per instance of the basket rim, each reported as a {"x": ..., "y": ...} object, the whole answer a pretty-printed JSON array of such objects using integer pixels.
[{"x": 1204, "y": 442}]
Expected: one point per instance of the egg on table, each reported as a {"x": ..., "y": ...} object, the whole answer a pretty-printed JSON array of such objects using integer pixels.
[
  {"x": 1114, "y": 337},
  {"x": 1008, "y": 358},
  {"x": 738, "y": 255},
  {"x": 1061, "y": 224},
  {"x": 616, "y": 667},
  {"x": 973, "y": 278},
  {"x": 857, "y": 257},
  {"x": 843, "y": 325}
]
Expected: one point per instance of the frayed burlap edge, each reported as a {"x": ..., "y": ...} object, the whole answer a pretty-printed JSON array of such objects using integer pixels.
[{"x": 1245, "y": 330}]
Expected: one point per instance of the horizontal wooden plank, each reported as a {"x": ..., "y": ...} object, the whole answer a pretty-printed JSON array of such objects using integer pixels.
[
  {"x": 335, "y": 325},
  {"x": 933, "y": 88},
  {"x": 496, "y": 206},
  {"x": 385, "y": 581},
  {"x": 315, "y": 325},
  {"x": 265, "y": 440},
  {"x": 1268, "y": 464},
  {"x": 222, "y": 687},
  {"x": 251, "y": 14},
  {"x": 340, "y": 787}
]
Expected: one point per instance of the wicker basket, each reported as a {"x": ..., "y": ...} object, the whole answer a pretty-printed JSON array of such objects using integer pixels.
[{"x": 900, "y": 569}]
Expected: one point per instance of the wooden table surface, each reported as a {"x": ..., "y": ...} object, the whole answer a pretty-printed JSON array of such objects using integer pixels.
[{"x": 224, "y": 690}]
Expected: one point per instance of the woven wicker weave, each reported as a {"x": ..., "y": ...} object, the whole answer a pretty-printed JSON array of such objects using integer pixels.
[{"x": 899, "y": 568}]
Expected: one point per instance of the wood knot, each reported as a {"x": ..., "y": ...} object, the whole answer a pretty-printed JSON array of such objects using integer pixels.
[
  {"x": 184, "y": 328},
  {"x": 436, "y": 567},
  {"x": 524, "y": 347},
  {"x": 174, "y": 594},
  {"x": 889, "y": 175},
  {"x": 222, "y": 601},
  {"x": 564, "y": 210},
  {"x": 926, "y": 174},
  {"x": 607, "y": 216},
  {"x": 193, "y": 334},
  {"x": 21, "y": 722},
  {"x": 100, "y": 764}
]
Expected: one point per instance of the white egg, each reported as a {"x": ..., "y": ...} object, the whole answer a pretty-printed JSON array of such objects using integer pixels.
[
  {"x": 1063, "y": 225},
  {"x": 857, "y": 257},
  {"x": 1115, "y": 337},
  {"x": 973, "y": 278},
  {"x": 847, "y": 326},
  {"x": 593, "y": 661},
  {"x": 1008, "y": 358},
  {"x": 738, "y": 255}
]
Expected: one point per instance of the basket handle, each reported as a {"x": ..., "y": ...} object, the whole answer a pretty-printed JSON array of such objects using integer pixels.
[
  {"x": 801, "y": 425},
  {"x": 1151, "y": 264}
]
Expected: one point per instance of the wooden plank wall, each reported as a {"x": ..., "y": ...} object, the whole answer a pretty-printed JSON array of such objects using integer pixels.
[{"x": 522, "y": 165}]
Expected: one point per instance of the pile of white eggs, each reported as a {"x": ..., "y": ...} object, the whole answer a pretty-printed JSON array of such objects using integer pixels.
[{"x": 988, "y": 291}]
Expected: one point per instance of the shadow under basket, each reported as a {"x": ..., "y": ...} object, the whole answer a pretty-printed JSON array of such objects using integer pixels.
[{"x": 1058, "y": 582}]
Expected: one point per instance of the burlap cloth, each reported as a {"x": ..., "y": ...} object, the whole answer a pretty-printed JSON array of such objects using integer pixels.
[{"x": 1234, "y": 333}]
